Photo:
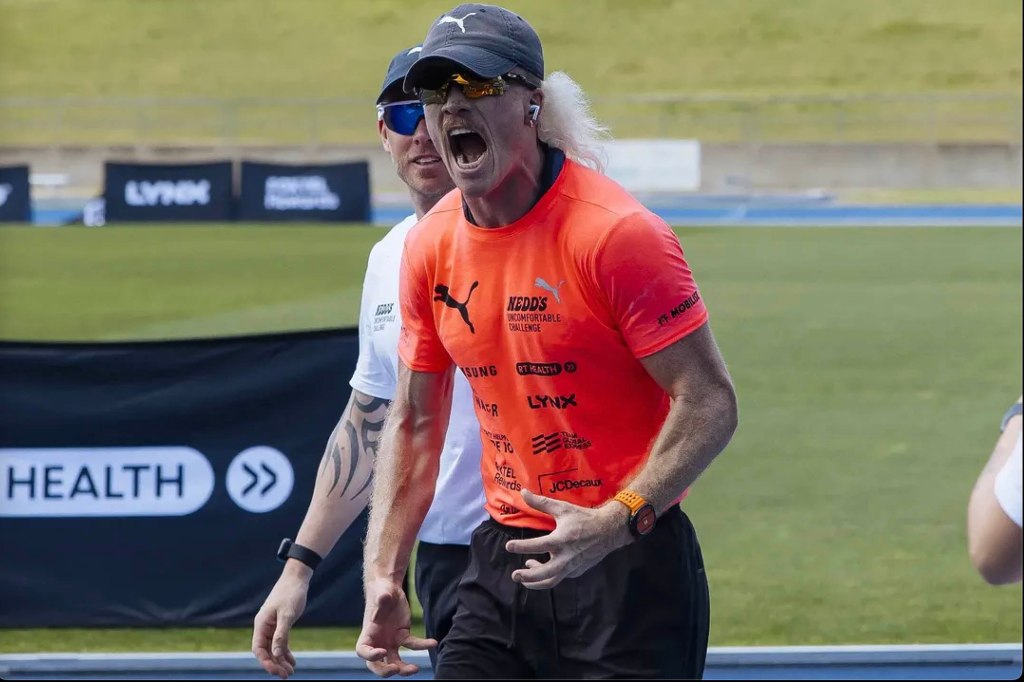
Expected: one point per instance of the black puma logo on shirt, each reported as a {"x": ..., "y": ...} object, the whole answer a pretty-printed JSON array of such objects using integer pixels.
[{"x": 444, "y": 295}]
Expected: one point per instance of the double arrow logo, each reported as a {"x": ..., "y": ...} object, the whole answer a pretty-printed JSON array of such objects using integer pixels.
[
  {"x": 256, "y": 479},
  {"x": 259, "y": 479}
]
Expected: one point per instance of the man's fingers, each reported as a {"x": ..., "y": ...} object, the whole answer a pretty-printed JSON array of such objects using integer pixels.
[
  {"x": 390, "y": 665},
  {"x": 261, "y": 653},
  {"x": 404, "y": 669},
  {"x": 542, "y": 545},
  {"x": 540, "y": 576},
  {"x": 280, "y": 645},
  {"x": 370, "y": 653},
  {"x": 408, "y": 669},
  {"x": 544, "y": 584},
  {"x": 382, "y": 669},
  {"x": 419, "y": 643},
  {"x": 267, "y": 663},
  {"x": 544, "y": 504},
  {"x": 287, "y": 669},
  {"x": 274, "y": 665},
  {"x": 274, "y": 670},
  {"x": 538, "y": 573},
  {"x": 385, "y": 663},
  {"x": 262, "y": 632}
]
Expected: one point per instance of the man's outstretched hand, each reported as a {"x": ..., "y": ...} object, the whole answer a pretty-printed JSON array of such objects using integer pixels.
[
  {"x": 387, "y": 625},
  {"x": 581, "y": 538}
]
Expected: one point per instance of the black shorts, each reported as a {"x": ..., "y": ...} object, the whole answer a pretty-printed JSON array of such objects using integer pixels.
[
  {"x": 439, "y": 568},
  {"x": 642, "y": 612}
]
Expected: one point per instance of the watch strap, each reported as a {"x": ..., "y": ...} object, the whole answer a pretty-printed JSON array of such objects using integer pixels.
[
  {"x": 641, "y": 513},
  {"x": 292, "y": 550},
  {"x": 632, "y": 500}
]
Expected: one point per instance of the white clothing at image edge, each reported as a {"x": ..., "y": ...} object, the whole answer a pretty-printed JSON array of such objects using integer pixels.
[{"x": 458, "y": 506}]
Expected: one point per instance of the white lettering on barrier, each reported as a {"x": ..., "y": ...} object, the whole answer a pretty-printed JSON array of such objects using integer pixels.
[
  {"x": 5, "y": 191},
  {"x": 167, "y": 193},
  {"x": 302, "y": 193},
  {"x": 132, "y": 481}
]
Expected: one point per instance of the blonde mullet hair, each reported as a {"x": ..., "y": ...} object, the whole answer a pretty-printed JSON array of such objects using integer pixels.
[{"x": 567, "y": 123}]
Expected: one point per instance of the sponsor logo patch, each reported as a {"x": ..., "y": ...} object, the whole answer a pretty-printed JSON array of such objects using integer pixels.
[
  {"x": 681, "y": 308},
  {"x": 550, "y": 442},
  {"x": 544, "y": 369},
  {"x": 556, "y": 402}
]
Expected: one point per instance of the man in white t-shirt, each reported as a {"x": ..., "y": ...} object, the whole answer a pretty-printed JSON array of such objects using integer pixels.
[
  {"x": 995, "y": 512},
  {"x": 343, "y": 482}
]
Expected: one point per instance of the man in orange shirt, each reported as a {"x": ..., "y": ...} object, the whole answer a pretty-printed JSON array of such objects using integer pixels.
[{"x": 598, "y": 385}]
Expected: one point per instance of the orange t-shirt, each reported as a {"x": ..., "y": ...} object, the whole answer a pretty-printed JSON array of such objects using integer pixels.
[{"x": 546, "y": 317}]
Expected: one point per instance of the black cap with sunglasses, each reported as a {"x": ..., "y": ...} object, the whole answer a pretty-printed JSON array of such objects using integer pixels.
[{"x": 485, "y": 40}]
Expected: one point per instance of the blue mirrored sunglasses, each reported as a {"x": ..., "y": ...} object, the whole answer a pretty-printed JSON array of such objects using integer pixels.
[{"x": 401, "y": 117}]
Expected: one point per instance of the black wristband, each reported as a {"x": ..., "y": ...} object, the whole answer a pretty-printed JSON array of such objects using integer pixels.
[
  {"x": 1014, "y": 410},
  {"x": 290, "y": 550}
]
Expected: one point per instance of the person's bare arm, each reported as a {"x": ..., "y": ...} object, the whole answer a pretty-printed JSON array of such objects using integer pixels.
[
  {"x": 343, "y": 482},
  {"x": 994, "y": 541},
  {"x": 407, "y": 467},
  {"x": 702, "y": 419},
  {"x": 700, "y": 422},
  {"x": 340, "y": 494},
  {"x": 408, "y": 463}
]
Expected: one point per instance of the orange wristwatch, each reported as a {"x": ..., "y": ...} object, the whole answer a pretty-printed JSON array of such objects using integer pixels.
[{"x": 641, "y": 513}]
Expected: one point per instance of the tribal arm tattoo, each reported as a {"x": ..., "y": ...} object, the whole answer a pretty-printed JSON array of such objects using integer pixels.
[
  {"x": 343, "y": 481},
  {"x": 354, "y": 442}
]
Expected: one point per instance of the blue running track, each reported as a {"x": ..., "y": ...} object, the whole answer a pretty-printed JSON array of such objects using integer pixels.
[
  {"x": 695, "y": 211},
  {"x": 935, "y": 662}
]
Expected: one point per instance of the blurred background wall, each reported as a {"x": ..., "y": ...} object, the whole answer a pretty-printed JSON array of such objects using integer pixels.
[{"x": 873, "y": 100}]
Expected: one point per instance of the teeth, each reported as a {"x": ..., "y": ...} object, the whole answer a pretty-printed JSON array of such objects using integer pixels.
[{"x": 459, "y": 131}]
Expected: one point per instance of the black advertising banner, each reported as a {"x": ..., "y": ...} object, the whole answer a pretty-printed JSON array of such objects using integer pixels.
[
  {"x": 137, "y": 192},
  {"x": 15, "y": 196},
  {"x": 338, "y": 192},
  {"x": 150, "y": 483}
]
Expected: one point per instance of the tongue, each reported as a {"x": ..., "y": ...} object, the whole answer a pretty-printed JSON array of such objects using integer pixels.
[{"x": 471, "y": 147}]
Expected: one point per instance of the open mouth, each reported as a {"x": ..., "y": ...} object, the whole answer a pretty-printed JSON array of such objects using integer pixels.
[
  {"x": 467, "y": 147},
  {"x": 424, "y": 161}
]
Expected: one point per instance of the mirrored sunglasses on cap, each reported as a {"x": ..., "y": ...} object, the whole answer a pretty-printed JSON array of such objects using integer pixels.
[
  {"x": 473, "y": 88},
  {"x": 401, "y": 117}
]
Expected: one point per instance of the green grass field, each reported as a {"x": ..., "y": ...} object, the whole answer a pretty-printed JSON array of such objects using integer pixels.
[
  {"x": 315, "y": 48},
  {"x": 276, "y": 50},
  {"x": 872, "y": 367},
  {"x": 162, "y": 282}
]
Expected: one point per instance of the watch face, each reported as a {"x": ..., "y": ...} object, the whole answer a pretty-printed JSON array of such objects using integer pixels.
[{"x": 645, "y": 518}]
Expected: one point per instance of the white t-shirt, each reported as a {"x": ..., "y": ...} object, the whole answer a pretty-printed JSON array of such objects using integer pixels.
[
  {"x": 1009, "y": 486},
  {"x": 458, "y": 506}
]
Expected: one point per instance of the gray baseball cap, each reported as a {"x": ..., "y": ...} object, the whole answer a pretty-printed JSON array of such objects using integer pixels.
[
  {"x": 486, "y": 40},
  {"x": 398, "y": 68}
]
